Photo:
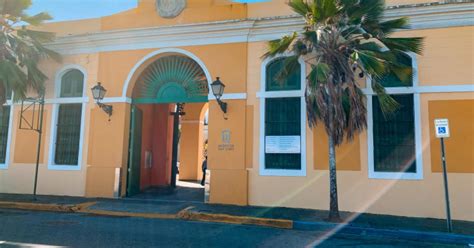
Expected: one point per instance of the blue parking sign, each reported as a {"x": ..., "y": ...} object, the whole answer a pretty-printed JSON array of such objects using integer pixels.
[{"x": 442, "y": 128}]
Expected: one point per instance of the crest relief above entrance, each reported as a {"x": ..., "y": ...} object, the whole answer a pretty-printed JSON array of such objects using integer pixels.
[{"x": 170, "y": 8}]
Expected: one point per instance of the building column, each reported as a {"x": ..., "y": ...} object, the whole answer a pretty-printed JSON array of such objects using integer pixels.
[
  {"x": 226, "y": 153},
  {"x": 108, "y": 151},
  {"x": 191, "y": 142}
]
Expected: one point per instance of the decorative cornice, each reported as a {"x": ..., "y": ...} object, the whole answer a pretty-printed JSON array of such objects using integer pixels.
[
  {"x": 435, "y": 15},
  {"x": 245, "y": 30}
]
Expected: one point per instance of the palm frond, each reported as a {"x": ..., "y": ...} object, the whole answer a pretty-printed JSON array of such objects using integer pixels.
[
  {"x": 39, "y": 36},
  {"x": 371, "y": 63},
  {"x": 404, "y": 74},
  {"x": 368, "y": 14},
  {"x": 290, "y": 65},
  {"x": 320, "y": 73},
  {"x": 412, "y": 44},
  {"x": 300, "y": 7},
  {"x": 279, "y": 46},
  {"x": 14, "y": 78},
  {"x": 311, "y": 36},
  {"x": 326, "y": 9},
  {"x": 388, "y": 105},
  {"x": 300, "y": 48},
  {"x": 355, "y": 110},
  {"x": 14, "y": 8},
  {"x": 371, "y": 46},
  {"x": 340, "y": 39},
  {"x": 388, "y": 27},
  {"x": 37, "y": 19},
  {"x": 22, "y": 49}
]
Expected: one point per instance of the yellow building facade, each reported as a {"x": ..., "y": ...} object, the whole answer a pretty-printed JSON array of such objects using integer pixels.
[{"x": 221, "y": 38}]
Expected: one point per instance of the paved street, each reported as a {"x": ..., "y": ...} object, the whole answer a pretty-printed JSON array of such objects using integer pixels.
[{"x": 26, "y": 229}]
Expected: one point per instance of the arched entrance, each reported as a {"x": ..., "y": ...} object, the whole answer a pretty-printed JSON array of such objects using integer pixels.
[{"x": 169, "y": 94}]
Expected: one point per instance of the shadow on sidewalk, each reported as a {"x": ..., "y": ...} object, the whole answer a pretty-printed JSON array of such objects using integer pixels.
[{"x": 169, "y": 194}]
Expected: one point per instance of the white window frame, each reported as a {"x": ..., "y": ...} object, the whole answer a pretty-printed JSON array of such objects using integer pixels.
[
  {"x": 415, "y": 90},
  {"x": 54, "y": 118},
  {"x": 4, "y": 166},
  {"x": 263, "y": 94}
]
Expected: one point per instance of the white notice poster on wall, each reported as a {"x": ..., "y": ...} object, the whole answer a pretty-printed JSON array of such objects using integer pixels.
[{"x": 283, "y": 144}]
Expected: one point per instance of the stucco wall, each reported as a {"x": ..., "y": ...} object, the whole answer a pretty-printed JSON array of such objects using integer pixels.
[
  {"x": 447, "y": 60},
  {"x": 19, "y": 176},
  {"x": 439, "y": 65}
]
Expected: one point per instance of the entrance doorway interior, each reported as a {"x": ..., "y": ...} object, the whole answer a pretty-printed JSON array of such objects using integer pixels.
[
  {"x": 158, "y": 134},
  {"x": 151, "y": 167}
]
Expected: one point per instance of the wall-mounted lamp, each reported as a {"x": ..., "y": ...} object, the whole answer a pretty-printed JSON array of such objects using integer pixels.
[
  {"x": 218, "y": 90},
  {"x": 98, "y": 92}
]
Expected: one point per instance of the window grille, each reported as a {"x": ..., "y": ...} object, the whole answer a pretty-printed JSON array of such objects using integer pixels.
[
  {"x": 68, "y": 134},
  {"x": 394, "y": 137},
  {"x": 68, "y": 126},
  {"x": 283, "y": 118},
  {"x": 4, "y": 127}
]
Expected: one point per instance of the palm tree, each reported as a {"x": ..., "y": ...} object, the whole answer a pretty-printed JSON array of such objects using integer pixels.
[
  {"x": 21, "y": 49},
  {"x": 343, "y": 40}
]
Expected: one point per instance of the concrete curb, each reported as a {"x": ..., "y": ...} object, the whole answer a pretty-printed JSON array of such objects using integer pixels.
[
  {"x": 128, "y": 214},
  {"x": 231, "y": 219},
  {"x": 85, "y": 209},
  {"x": 435, "y": 237},
  {"x": 189, "y": 215},
  {"x": 39, "y": 206}
]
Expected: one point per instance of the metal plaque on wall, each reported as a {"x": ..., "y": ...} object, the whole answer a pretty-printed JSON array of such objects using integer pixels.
[{"x": 170, "y": 8}]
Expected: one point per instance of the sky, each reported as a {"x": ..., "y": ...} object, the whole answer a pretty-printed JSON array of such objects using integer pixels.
[{"x": 63, "y": 10}]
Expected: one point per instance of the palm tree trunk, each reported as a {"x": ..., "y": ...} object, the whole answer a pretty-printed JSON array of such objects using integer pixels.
[{"x": 333, "y": 202}]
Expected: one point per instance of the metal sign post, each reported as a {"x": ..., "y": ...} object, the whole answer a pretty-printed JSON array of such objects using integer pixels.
[
  {"x": 33, "y": 123},
  {"x": 442, "y": 131}
]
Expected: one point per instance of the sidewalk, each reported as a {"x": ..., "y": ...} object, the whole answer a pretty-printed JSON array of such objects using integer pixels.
[{"x": 302, "y": 219}]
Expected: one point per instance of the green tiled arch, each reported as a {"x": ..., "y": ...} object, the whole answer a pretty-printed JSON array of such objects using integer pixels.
[{"x": 171, "y": 79}]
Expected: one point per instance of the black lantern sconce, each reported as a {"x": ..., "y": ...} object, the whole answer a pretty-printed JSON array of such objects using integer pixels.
[
  {"x": 217, "y": 88},
  {"x": 98, "y": 92}
]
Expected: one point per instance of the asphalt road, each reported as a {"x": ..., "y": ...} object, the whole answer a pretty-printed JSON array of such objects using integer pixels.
[{"x": 33, "y": 229}]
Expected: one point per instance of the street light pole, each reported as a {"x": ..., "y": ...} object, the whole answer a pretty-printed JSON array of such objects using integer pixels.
[
  {"x": 38, "y": 151},
  {"x": 33, "y": 124}
]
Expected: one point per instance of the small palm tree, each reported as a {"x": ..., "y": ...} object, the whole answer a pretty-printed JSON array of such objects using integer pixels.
[
  {"x": 343, "y": 40},
  {"x": 21, "y": 49}
]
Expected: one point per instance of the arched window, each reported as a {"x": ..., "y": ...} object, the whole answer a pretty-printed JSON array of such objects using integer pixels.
[
  {"x": 72, "y": 84},
  {"x": 67, "y": 137},
  {"x": 283, "y": 119},
  {"x": 393, "y": 139},
  {"x": 279, "y": 80}
]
